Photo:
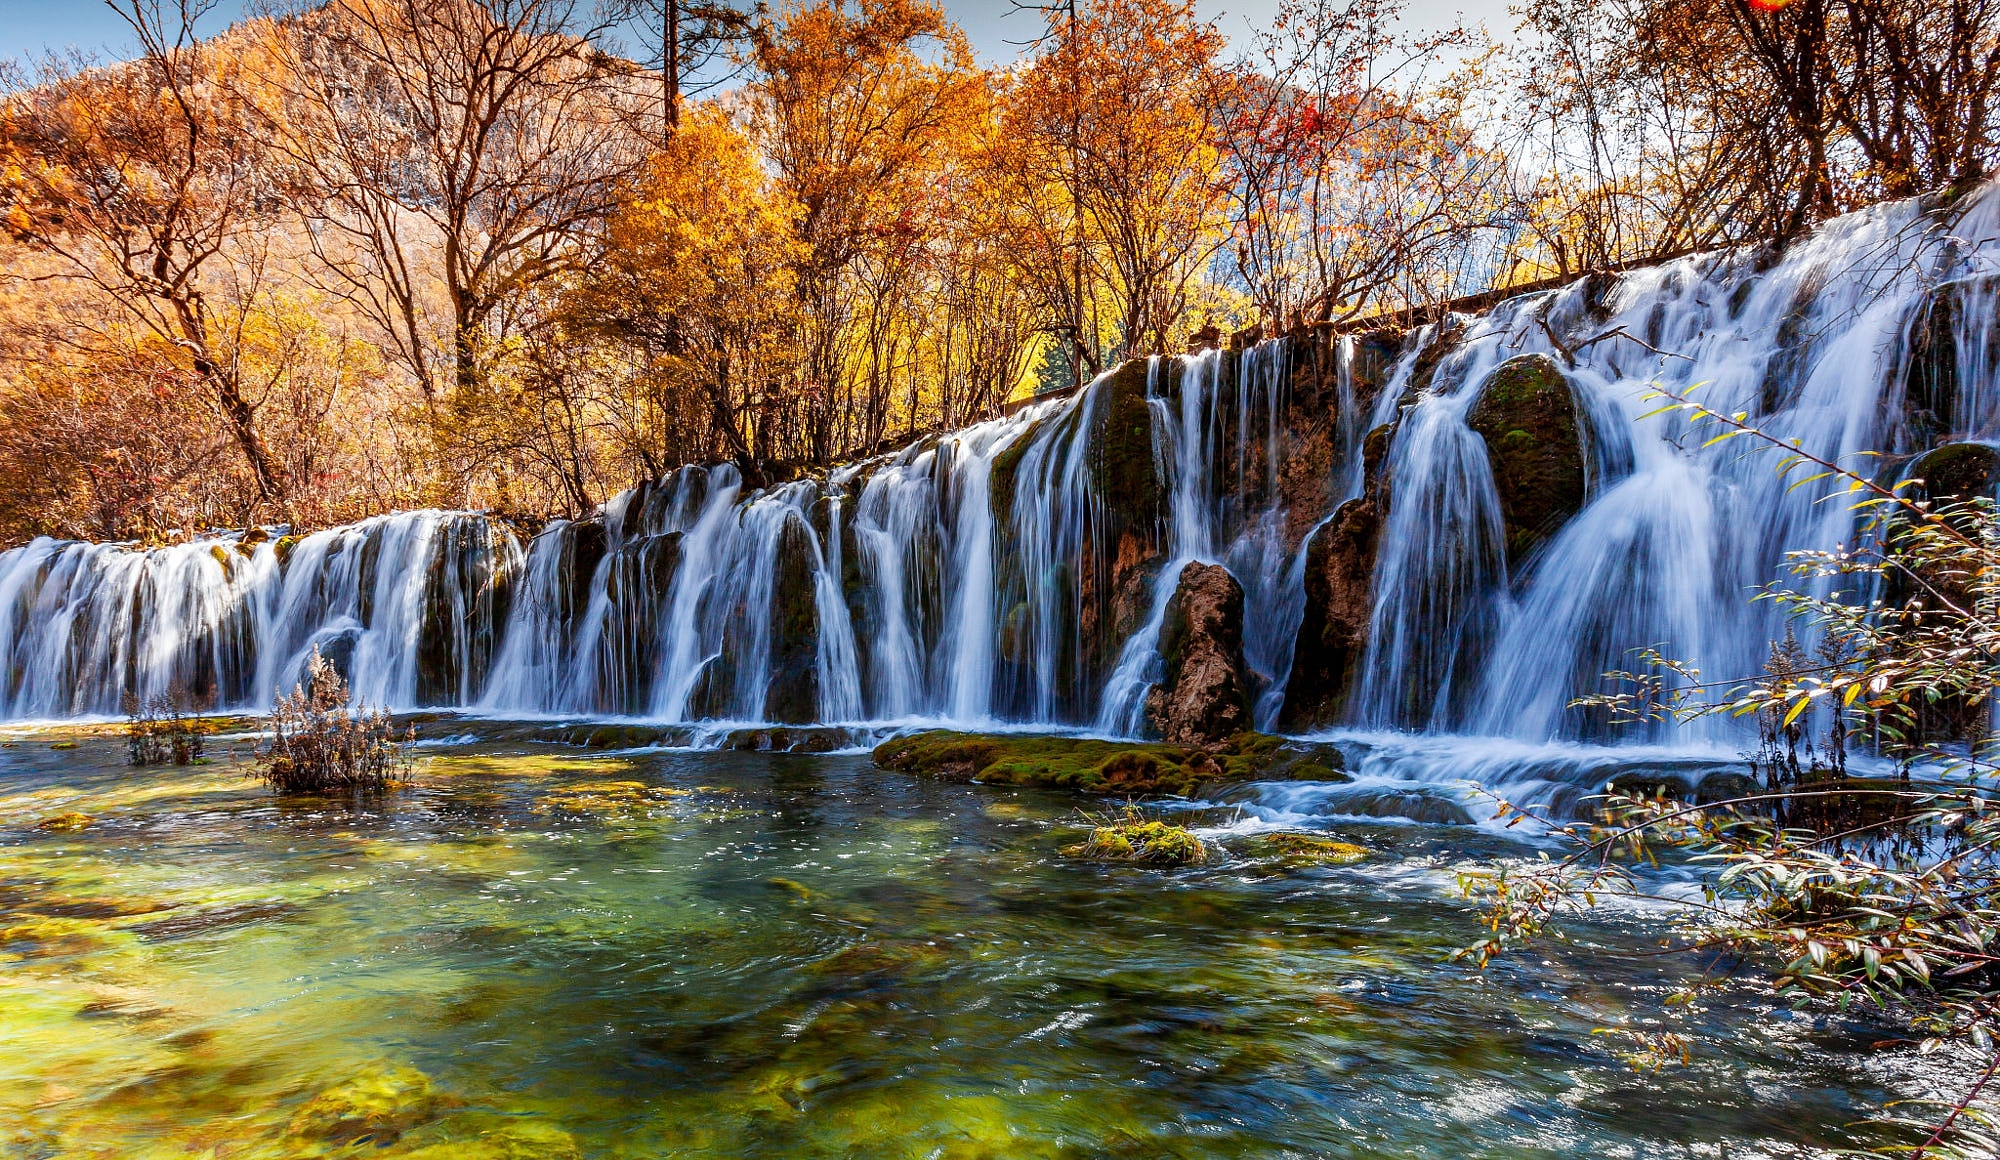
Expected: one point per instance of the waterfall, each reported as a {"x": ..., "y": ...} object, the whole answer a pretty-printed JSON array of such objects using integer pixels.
[
  {"x": 407, "y": 606},
  {"x": 1020, "y": 570}
]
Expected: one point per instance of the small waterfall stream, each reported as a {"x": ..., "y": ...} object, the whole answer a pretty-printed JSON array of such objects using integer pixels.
[{"x": 1019, "y": 570}]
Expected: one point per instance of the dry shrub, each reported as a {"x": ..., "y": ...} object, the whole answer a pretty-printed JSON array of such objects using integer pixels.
[
  {"x": 321, "y": 746},
  {"x": 165, "y": 727}
]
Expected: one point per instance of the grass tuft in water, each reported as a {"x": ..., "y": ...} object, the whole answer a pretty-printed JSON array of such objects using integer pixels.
[{"x": 1133, "y": 837}]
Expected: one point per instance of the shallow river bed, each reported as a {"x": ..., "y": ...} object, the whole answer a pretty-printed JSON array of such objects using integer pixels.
[{"x": 541, "y": 951}]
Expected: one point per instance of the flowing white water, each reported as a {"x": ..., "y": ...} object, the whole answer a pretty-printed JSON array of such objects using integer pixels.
[{"x": 226, "y": 623}]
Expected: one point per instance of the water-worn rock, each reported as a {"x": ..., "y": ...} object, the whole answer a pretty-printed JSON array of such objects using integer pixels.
[
  {"x": 377, "y": 1106},
  {"x": 793, "y": 697},
  {"x": 1205, "y": 696},
  {"x": 466, "y": 597},
  {"x": 1527, "y": 416},
  {"x": 1956, "y": 471},
  {"x": 1935, "y": 342},
  {"x": 1340, "y": 599}
]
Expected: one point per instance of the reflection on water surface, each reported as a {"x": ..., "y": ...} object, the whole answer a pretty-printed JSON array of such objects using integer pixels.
[{"x": 540, "y": 952}]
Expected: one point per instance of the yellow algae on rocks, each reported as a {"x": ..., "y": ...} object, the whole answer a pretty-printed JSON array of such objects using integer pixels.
[
  {"x": 68, "y": 823},
  {"x": 378, "y": 1105},
  {"x": 527, "y": 1141},
  {"x": 1310, "y": 850},
  {"x": 521, "y": 765},
  {"x": 607, "y": 797}
]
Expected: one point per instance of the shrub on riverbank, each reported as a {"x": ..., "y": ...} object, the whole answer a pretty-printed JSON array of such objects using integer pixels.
[{"x": 319, "y": 745}]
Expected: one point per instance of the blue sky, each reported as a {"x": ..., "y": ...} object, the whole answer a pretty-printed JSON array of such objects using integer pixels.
[{"x": 30, "y": 27}]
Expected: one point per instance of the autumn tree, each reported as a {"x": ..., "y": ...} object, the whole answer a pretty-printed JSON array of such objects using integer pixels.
[
  {"x": 1357, "y": 179},
  {"x": 1656, "y": 127},
  {"x": 1109, "y": 159},
  {"x": 854, "y": 106},
  {"x": 687, "y": 41},
  {"x": 688, "y": 305},
  {"x": 147, "y": 181},
  {"x": 450, "y": 156}
]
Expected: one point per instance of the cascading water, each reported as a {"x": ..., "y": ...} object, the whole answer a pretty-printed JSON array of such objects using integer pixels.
[
  {"x": 1019, "y": 570},
  {"x": 408, "y": 606}
]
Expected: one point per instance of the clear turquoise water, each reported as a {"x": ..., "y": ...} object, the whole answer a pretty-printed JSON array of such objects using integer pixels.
[{"x": 803, "y": 956}]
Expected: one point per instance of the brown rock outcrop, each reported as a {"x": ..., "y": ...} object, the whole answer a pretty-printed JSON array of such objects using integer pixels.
[{"x": 1205, "y": 698}]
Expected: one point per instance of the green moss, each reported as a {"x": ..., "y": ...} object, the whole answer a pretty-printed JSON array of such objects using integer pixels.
[
  {"x": 1121, "y": 461},
  {"x": 607, "y": 797},
  {"x": 1527, "y": 416},
  {"x": 1132, "y": 837},
  {"x": 1083, "y": 764}
]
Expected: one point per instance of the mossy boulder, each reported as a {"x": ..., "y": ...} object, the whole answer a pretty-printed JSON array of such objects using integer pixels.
[
  {"x": 1956, "y": 471},
  {"x": 1084, "y": 764},
  {"x": 1134, "y": 838},
  {"x": 1526, "y": 414}
]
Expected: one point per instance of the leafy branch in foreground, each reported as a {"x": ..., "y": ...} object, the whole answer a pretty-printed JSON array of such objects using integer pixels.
[{"x": 1856, "y": 892}]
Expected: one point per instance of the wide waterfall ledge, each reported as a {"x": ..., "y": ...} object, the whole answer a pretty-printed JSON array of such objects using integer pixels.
[{"x": 1412, "y": 538}]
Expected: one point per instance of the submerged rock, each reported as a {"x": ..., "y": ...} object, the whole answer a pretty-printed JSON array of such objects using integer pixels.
[
  {"x": 1311, "y": 850},
  {"x": 1205, "y": 698},
  {"x": 1084, "y": 764},
  {"x": 523, "y": 1141},
  {"x": 608, "y": 797},
  {"x": 1527, "y": 416},
  {"x": 377, "y": 1106}
]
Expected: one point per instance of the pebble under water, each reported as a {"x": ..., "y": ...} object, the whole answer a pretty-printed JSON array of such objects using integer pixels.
[{"x": 540, "y": 950}]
